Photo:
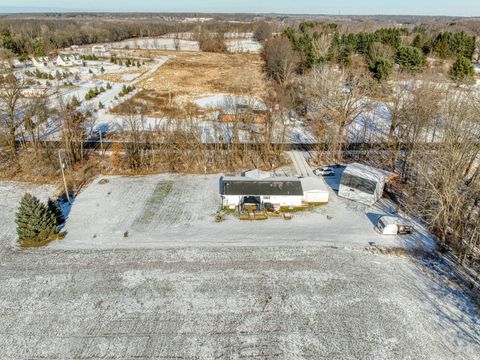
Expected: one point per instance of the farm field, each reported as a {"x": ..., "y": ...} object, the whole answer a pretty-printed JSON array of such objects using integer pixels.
[{"x": 290, "y": 302}]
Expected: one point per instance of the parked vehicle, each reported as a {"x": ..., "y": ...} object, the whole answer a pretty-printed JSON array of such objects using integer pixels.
[
  {"x": 325, "y": 171},
  {"x": 393, "y": 225}
]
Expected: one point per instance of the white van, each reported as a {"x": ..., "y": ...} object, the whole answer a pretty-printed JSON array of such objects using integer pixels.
[{"x": 393, "y": 225}]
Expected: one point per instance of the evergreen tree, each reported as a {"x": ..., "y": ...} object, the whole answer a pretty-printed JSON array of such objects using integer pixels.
[
  {"x": 380, "y": 68},
  {"x": 462, "y": 70},
  {"x": 74, "y": 103},
  {"x": 410, "y": 58},
  {"x": 35, "y": 222}
]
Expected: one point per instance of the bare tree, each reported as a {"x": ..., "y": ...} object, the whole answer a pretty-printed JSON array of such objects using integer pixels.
[
  {"x": 280, "y": 60},
  {"x": 337, "y": 99},
  {"x": 11, "y": 89},
  {"x": 420, "y": 111},
  {"x": 447, "y": 185},
  {"x": 263, "y": 31},
  {"x": 134, "y": 128},
  {"x": 74, "y": 130},
  {"x": 36, "y": 115}
]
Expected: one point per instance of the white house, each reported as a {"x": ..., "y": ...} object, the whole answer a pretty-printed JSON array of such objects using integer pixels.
[
  {"x": 362, "y": 183},
  {"x": 40, "y": 61},
  {"x": 278, "y": 191},
  {"x": 315, "y": 190},
  {"x": 69, "y": 59}
]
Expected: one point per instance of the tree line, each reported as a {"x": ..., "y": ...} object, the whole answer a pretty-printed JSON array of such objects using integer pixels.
[{"x": 319, "y": 43}]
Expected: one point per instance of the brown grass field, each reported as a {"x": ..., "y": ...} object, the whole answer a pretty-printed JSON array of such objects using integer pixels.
[{"x": 188, "y": 75}]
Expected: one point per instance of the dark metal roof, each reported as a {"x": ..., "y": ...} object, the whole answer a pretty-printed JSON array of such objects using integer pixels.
[{"x": 256, "y": 187}]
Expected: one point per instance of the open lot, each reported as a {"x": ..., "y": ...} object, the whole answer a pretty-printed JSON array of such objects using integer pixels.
[
  {"x": 189, "y": 75},
  {"x": 178, "y": 210},
  {"x": 184, "y": 286}
]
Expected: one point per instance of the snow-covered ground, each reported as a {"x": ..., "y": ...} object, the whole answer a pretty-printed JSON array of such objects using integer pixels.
[
  {"x": 240, "y": 43},
  {"x": 179, "y": 210},
  {"x": 156, "y": 44},
  {"x": 244, "y": 45},
  {"x": 228, "y": 102}
]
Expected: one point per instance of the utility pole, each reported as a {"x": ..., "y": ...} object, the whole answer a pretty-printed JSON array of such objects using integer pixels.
[
  {"x": 63, "y": 175},
  {"x": 101, "y": 142}
]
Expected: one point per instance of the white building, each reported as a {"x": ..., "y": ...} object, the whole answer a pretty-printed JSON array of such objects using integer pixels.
[
  {"x": 315, "y": 190},
  {"x": 362, "y": 183},
  {"x": 69, "y": 59},
  {"x": 40, "y": 61},
  {"x": 278, "y": 191}
]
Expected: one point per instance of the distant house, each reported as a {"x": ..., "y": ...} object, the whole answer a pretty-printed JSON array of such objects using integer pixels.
[
  {"x": 40, "y": 61},
  {"x": 100, "y": 49},
  {"x": 362, "y": 183},
  {"x": 278, "y": 191},
  {"x": 69, "y": 59}
]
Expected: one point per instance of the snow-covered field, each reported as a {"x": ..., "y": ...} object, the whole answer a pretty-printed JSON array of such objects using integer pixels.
[
  {"x": 243, "y": 43},
  {"x": 156, "y": 44}
]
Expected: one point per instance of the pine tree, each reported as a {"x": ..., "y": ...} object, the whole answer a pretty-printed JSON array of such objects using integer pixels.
[
  {"x": 462, "y": 71},
  {"x": 35, "y": 222}
]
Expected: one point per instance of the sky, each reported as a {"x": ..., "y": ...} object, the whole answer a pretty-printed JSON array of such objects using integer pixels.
[{"x": 332, "y": 7}]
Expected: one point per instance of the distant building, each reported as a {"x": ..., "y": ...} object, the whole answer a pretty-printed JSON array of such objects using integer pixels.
[
  {"x": 362, "y": 183},
  {"x": 69, "y": 59},
  {"x": 278, "y": 191},
  {"x": 40, "y": 61},
  {"x": 100, "y": 49}
]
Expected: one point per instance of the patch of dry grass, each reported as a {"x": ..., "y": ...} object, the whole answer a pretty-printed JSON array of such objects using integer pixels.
[{"x": 198, "y": 73}]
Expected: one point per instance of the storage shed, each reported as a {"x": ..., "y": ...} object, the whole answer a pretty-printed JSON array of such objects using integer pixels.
[
  {"x": 315, "y": 190},
  {"x": 362, "y": 183},
  {"x": 280, "y": 191}
]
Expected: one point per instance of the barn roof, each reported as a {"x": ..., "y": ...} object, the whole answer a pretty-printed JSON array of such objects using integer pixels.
[{"x": 273, "y": 186}]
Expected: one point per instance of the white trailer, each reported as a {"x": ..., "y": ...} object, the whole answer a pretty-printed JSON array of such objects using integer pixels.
[
  {"x": 393, "y": 225},
  {"x": 362, "y": 183}
]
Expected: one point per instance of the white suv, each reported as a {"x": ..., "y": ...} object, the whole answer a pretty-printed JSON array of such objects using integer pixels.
[{"x": 325, "y": 171}]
